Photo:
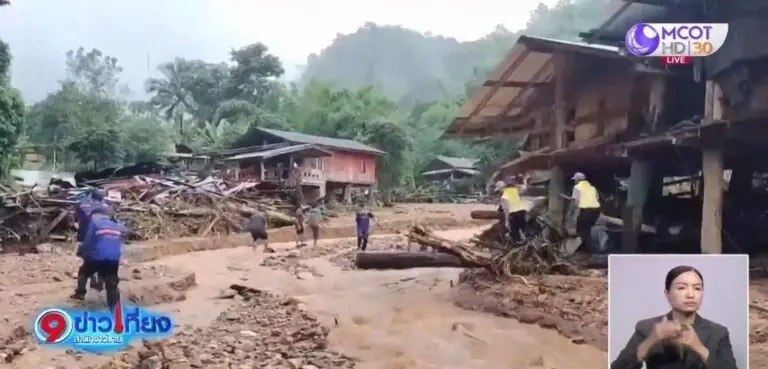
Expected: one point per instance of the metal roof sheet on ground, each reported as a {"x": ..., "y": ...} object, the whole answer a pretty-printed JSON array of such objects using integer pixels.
[
  {"x": 471, "y": 172},
  {"x": 511, "y": 88},
  {"x": 337, "y": 143},
  {"x": 311, "y": 149},
  {"x": 458, "y": 162}
]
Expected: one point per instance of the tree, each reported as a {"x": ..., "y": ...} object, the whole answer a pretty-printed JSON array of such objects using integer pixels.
[
  {"x": 11, "y": 114},
  {"x": 145, "y": 138},
  {"x": 254, "y": 73},
  {"x": 93, "y": 72},
  {"x": 213, "y": 93},
  {"x": 329, "y": 111},
  {"x": 96, "y": 131},
  {"x": 171, "y": 94},
  {"x": 393, "y": 139}
]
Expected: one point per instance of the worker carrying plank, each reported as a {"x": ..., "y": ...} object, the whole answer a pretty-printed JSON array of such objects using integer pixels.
[
  {"x": 512, "y": 207},
  {"x": 586, "y": 199},
  {"x": 83, "y": 211}
]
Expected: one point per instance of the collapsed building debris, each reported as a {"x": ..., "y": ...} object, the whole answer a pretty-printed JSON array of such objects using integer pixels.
[{"x": 153, "y": 207}]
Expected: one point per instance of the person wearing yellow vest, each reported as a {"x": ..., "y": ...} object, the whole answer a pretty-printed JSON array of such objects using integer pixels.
[
  {"x": 586, "y": 199},
  {"x": 512, "y": 207}
]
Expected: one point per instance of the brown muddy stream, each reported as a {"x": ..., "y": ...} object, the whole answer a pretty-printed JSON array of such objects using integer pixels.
[{"x": 387, "y": 319}]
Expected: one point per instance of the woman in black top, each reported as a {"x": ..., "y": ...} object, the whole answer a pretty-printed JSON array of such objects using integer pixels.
[{"x": 681, "y": 339}]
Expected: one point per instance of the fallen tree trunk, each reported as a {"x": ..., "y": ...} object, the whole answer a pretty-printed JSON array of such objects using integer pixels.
[
  {"x": 466, "y": 252},
  {"x": 405, "y": 260}
]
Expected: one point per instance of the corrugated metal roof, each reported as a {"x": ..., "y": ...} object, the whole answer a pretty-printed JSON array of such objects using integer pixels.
[
  {"x": 471, "y": 172},
  {"x": 337, "y": 143},
  {"x": 518, "y": 86},
  {"x": 465, "y": 163},
  {"x": 266, "y": 154}
]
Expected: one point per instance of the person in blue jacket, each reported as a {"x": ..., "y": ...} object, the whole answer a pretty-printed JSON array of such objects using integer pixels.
[
  {"x": 363, "y": 220},
  {"x": 101, "y": 252},
  {"x": 83, "y": 210}
]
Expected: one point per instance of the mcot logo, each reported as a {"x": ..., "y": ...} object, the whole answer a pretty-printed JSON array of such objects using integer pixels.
[{"x": 676, "y": 39}]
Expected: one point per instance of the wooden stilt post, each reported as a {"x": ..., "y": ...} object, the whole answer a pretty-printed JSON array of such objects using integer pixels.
[
  {"x": 711, "y": 215},
  {"x": 563, "y": 63},
  {"x": 712, "y": 178},
  {"x": 641, "y": 174},
  {"x": 555, "y": 203}
]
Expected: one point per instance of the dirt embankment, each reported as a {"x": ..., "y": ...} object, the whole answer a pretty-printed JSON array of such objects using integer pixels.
[{"x": 577, "y": 307}]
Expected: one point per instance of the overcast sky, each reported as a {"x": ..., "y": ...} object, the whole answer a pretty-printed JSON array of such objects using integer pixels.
[{"x": 144, "y": 33}]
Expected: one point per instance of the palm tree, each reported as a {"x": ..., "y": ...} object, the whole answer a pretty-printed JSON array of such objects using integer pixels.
[{"x": 170, "y": 92}]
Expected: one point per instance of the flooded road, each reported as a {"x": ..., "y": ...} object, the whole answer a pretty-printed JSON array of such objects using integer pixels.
[{"x": 387, "y": 319}]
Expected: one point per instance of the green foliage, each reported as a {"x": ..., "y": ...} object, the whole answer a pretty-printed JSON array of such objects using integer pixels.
[
  {"x": 326, "y": 110},
  {"x": 209, "y": 95},
  {"x": 387, "y": 86},
  {"x": 393, "y": 139},
  {"x": 93, "y": 72},
  {"x": 405, "y": 65},
  {"x": 145, "y": 138},
  {"x": 11, "y": 114}
]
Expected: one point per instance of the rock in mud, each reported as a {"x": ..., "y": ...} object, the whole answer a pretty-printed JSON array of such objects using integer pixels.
[{"x": 262, "y": 331}]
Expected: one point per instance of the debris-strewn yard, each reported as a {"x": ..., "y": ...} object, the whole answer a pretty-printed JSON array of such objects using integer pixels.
[
  {"x": 154, "y": 207},
  {"x": 262, "y": 330}
]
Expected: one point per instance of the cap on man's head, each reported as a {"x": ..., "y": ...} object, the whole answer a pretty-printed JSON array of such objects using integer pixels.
[{"x": 579, "y": 176}]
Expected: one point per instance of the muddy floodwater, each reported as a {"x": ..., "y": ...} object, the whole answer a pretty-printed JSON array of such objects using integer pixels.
[
  {"x": 387, "y": 319},
  {"x": 383, "y": 319}
]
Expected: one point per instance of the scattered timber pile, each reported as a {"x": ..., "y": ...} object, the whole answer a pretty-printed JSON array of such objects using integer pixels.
[
  {"x": 492, "y": 251},
  {"x": 431, "y": 194},
  {"x": 152, "y": 208}
]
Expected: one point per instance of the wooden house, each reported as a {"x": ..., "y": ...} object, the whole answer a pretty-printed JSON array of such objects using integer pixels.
[
  {"x": 731, "y": 133},
  {"x": 573, "y": 102},
  {"x": 319, "y": 164},
  {"x": 592, "y": 108},
  {"x": 445, "y": 170}
]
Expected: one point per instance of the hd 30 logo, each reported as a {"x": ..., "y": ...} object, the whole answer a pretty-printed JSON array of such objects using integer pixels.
[{"x": 98, "y": 331}]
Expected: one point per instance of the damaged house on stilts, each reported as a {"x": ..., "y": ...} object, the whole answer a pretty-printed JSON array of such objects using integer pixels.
[{"x": 666, "y": 147}]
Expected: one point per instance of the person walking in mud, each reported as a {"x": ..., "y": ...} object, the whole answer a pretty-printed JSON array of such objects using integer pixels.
[
  {"x": 83, "y": 213},
  {"x": 101, "y": 251},
  {"x": 513, "y": 209},
  {"x": 257, "y": 226},
  {"x": 363, "y": 220},
  {"x": 585, "y": 198},
  {"x": 314, "y": 217},
  {"x": 300, "y": 220}
]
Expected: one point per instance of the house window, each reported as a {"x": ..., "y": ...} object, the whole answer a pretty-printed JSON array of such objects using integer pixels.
[{"x": 363, "y": 168}]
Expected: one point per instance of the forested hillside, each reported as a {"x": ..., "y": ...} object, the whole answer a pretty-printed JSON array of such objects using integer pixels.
[
  {"x": 390, "y": 87},
  {"x": 409, "y": 66}
]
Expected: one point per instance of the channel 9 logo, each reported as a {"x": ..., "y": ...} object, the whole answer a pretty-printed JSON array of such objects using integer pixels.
[{"x": 676, "y": 39}]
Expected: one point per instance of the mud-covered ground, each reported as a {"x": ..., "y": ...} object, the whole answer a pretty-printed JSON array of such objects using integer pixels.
[
  {"x": 577, "y": 307},
  {"x": 341, "y": 254},
  {"x": 261, "y": 330}
]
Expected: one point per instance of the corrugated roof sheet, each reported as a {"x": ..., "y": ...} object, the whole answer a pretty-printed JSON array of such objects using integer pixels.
[
  {"x": 266, "y": 154},
  {"x": 465, "y": 163},
  {"x": 337, "y": 143},
  {"x": 471, "y": 172}
]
